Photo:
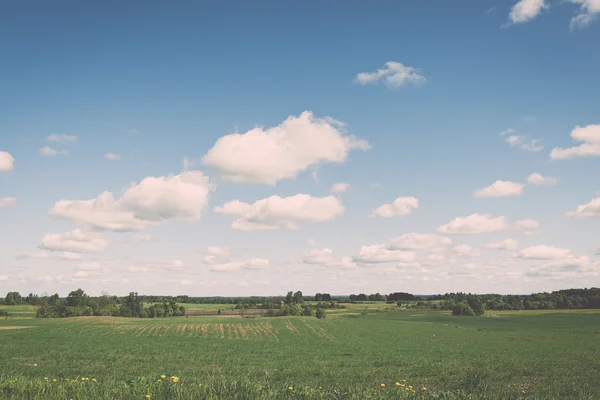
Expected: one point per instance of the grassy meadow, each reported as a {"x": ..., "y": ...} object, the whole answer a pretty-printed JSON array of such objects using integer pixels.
[{"x": 350, "y": 354}]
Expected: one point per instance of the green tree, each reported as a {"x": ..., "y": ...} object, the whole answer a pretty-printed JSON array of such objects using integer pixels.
[
  {"x": 13, "y": 299},
  {"x": 320, "y": 314}
]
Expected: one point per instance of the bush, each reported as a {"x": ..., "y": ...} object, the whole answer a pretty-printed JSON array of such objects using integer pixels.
[
  {"x": 320, "y": 313},
  {"x": 462, "y": 309}
]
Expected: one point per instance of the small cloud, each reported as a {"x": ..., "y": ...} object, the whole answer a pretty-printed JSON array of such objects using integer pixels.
[
  {"x": 400, "y": 207},
  {"x": 61, "y": 139},
  {"x": 51, "y": 152},
  {"x": 112, "y": 156},
  {"x": 588, "y": 12},
  {"x": 500, "y": 189},
  {"x": 7, "y": 161},
  {"x": 540, "y": 180},
  {"x": 525, "y": 10},
  {"x": 588, "y": 135},
  {"x": 340, "y": 187},
  {"x": 7, "y": 201},
  {"x": 393, "y": 74},
  {"x": 188, "y": 163}
]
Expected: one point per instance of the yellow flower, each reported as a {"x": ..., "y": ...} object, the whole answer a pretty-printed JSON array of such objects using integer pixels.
[
  {"x": 83, "y": 379},
  {"x": 398, "y": 384},
  {"x": 382, "y": 385},
  {"x": 290, "y": 388},
  {"x": 94, "y": 380},
  {"x": 410, "y": 387},
  {"x": 147, "y": 396},
  {"x": 45, "y": 379},
  {"x": 174, "y": 379},
  {"x": 403, "y": 380},
  {"x": 424, "y": 388},
  {"x": 54, "y": 380},
  {"x": 163, "y": 376}
]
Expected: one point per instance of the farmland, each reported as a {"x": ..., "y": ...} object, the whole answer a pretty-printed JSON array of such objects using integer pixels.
[{"x": 517, "y": 354}]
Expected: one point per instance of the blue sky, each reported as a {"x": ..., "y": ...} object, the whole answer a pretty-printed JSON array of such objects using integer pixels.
[{"x": 153, "y": 83}]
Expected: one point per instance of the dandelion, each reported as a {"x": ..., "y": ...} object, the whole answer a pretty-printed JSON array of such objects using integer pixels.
[
  {"x": 290, "y": 388},
  {"x": 398, "y": 384},
  {"x": 163, "y": 376},
  {"x": 424, "y": 388},
  {"x": 94, "y": 380},
  {"x": 174, "y": 379},
  {"x": 148, "y": 396},
  {"x": 83, "y": 379},
  {"x": 54, "y": 380},
  {"x": 383, "y": 385}
]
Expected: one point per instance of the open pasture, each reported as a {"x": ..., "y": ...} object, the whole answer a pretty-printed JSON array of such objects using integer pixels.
[{"x": 501, "y": 355}]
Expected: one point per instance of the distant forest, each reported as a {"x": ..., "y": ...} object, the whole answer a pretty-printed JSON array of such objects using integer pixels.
[{"x": 78, "y": 303}]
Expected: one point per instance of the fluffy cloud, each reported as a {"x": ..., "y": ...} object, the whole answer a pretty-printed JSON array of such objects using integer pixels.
[
  {"x": 7, "y": 161},
  {"x": 475, "y": 223},
  {"x": 527, "y": 224},
  {"x": 522, "y": 142},
  {"x": 417, "y": 241},
  {"x": 380, "y": 253},
  {"x": 45, "y": 255},
  {"x": 281, "y": 212},
  {"x": 62, "y": 139},
  {"x": 500, "y": 189},
  {"x": 401, "y": 206},
  {"x": 112, "y": 156},
  {"x": 325, "y": 258},
  {"x": 393, "y": 74},
  {"x": 544, "y": 252},
  {"x": 154, "y": 200},
  {"x": 88, "y": 266},
  {"x": 526, "y": 10},
  {"x": 589, "y": 210},
  {"x": 282, "y": 152},
  {"x": 340, "y": 187},
  {"x": 51, "y": 151},
  {"x": 506, "y": 244},
  {"x": 7, "y": 201},
  {"x": 219, "y": 259},
  {"x": 589, "y": 136},
  {"x": 176, "y": 265},
  {"x": 252, "y": 264},
  {"x": 465, "y": 250},
  {"x": 76, "y": 241},
  {"x": 572, "y": 267},
  {"x": 540, "y": 180},
  {"x": 588, "y": 12}
]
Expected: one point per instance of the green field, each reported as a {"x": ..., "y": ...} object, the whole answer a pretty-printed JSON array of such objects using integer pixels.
[{"x": 526, "y": 354}]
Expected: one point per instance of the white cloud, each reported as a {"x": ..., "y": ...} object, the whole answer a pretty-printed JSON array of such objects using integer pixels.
[
  {"x": 340, "y": 187},
  {"x": 589, "y": 136},
  {"x": 522, "y": 142},
  {"x": 589, "y": 210},
  {"x": 325, "y": 258},
  {"x": 393, "y": 74},
  {"x": 112, "y": 156},
  {"x": 252, "y": 264},
  {"x": 527, "y": 224},
  {"x": 88, "y": 266},
  {"x": 7, "y": 161},
  {"x": 81, "y": 274},
  {"x": 76, "y": 241},
  {"x": 401, "y": 206},
  {"x": 465, "y": 250},
  {"x": 475, "y": 223},
  {"x": 540, "y": 180},
  {"x": 154, "y": 200},
  {"x": 281, "y": 212},
  {"x": 500, "y": 189},
  {"x": 588, "y": 12},
  {"x": 417, "y": 241},
  {"x": 506, "y": 244},
  {"x": 216, "y": 255},
  {"x": 176, "y": 265},
  {"x": 526, "y": 10},
  {"x": 7, "y": 201},
  {"x": 544, "y": 252},
  {"x": 138, "y": 268},
  {"x": 282, "y": 152},
  {"x": 140, "y": 238},
  {"x": 62, "y": 139},
  {"x": 572, "y": 267},
  {"x": 45, "y": 255},
  {"x": 380, "y": 253},
  {"x": 50, "y": 151}
]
